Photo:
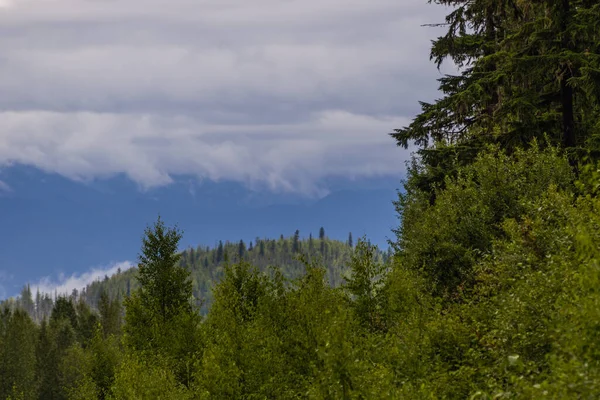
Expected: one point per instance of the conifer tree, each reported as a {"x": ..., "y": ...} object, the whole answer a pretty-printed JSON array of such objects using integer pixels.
[
  {"x": 46, "y": 364},
  {"x": 64, "y": 310},
  {"x": 17, "y": 355},
  {"x": 296, "y": 242},
  {"x": 27, "y": 300},
  {"x": 38, "y": 305},
  {"x": 365, "y": 284},
  {"x": 527, "y": 70},
  {"x": 87, "y": 322},
  {"x": 165, "y": 288},
  {"x": 220, "y": 252},
  {"x": 241, "y": 249},
  {"x": 110, "y": 314}
]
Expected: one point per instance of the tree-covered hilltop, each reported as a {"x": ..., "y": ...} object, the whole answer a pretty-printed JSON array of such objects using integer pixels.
[{"x": 207, "y": 265}]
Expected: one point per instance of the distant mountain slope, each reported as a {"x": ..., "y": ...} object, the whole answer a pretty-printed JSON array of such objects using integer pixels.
[{"x": 207, "y": 265}]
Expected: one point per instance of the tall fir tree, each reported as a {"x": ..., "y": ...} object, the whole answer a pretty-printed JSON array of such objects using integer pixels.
[
  {"x": 527, "y": 70},
  {"x": 241, "y": 249},
  {"x": 296, "y": 242},
  {"x": 219, "y": 253},
  {"x": 110, "y": 314},
  {"x": 165, "y": 288}
]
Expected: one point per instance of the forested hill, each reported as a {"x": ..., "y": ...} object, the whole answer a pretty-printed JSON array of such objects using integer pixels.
[{"x": 207, "y": 266}]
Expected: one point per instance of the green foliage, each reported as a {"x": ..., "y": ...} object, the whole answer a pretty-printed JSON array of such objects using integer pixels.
[
  {"x": 17, "y": 355},
  {"x": 165, "y": 288},
  {"x": 106, "y": 357},
  {"x": 365, "y": 284},
  {"x": 110, "y": 314},
  {"x": 139, "y": 379},
  {"x": 87, "y": 322},
  {"x": 64, "y": 310},
  {"x": 160, "y": 320},
  {"x": 75, "y": 372},
  {"x": 444, "y": 240},
  {"x": 527, "y": 70},
  {"x": 207, "y": 266}
]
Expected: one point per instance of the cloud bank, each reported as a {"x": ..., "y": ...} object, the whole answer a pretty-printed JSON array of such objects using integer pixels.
[
  {"x": 4, "y": 277},
  {"x": 272, "y": 93},
  {"x": 64, "y": 285},
  {"x": 4, "y": 187}
]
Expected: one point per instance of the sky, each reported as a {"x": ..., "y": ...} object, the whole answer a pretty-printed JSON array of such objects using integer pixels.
[{"x": 217, "y": 113}]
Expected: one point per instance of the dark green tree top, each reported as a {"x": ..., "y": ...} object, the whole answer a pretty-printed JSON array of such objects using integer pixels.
[
  {"x": 241, "y": 249},
  {"x": 527, "y": 70},
  {"x": 296, "y": 242},
  {"x": 165, "y": 287}
]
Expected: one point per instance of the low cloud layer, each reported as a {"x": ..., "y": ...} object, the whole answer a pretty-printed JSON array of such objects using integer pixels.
[
  {"x": 4, "y": 187},
  {"x": 64, "y": 285},
  {"x": 275, "y": 93},
  {"x": 4, "y": 278},
  {"x": 151, "y": 148}
]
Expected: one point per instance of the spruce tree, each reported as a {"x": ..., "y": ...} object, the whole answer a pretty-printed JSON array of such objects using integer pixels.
[
  {"x": 220, "y": 253},
  {"x": 165, "y": 288},
  {"x": 17, "y": 355},
  {"x": 241, "y": 249},
  {"x": 110, "y": 314},
  {"x": 296, "y": 242},
  {"x": 27, "y": 300},
  {"x": 64, "y": 310},
  {"x": 365, "y": 285},
  {"x": 527, "y": 70}
]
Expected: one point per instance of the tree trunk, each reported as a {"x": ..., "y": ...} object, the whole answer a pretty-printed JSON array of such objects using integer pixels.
[{"x": 566, "y": 92}]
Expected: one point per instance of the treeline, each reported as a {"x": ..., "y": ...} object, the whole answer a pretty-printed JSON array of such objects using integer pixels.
[{"x": 207, "y": 265}]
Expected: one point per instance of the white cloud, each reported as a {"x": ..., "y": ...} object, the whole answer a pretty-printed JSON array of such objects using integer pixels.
[
  {"x": 4, "y": 277},
  {"x": 152, "y": 148},
  {"x": 4, "y": 187},
  {"x": 273, "y": 92},
  {"x": 65, "y": 284}
]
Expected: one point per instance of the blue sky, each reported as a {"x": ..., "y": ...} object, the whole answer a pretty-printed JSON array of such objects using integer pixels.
[{"x": 234, "y": 119}]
